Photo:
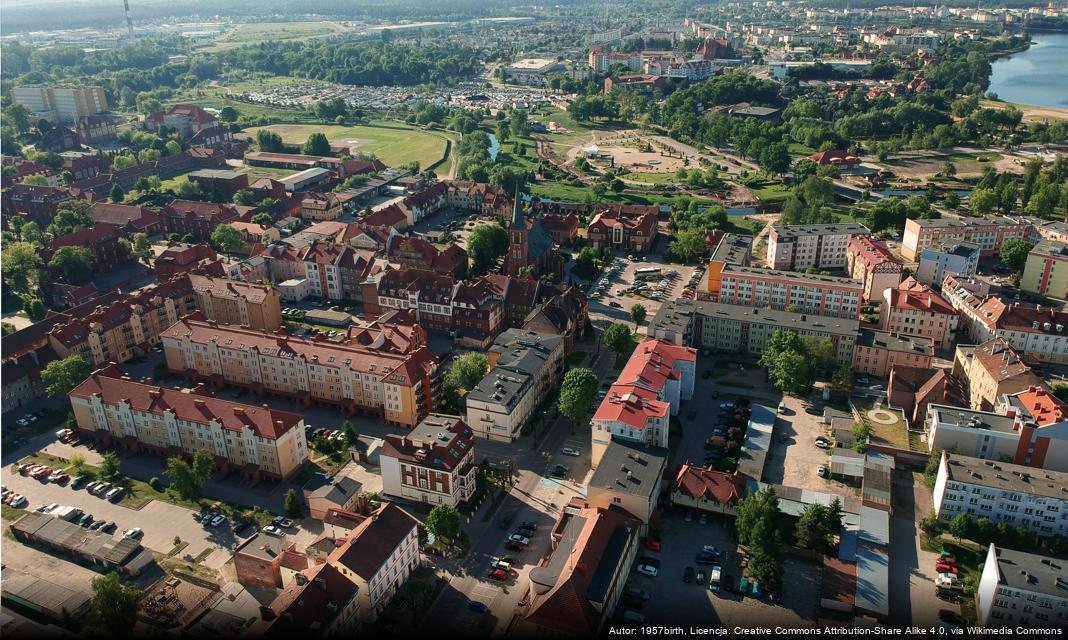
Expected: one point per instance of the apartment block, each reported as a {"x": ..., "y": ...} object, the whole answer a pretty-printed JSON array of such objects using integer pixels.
[
  {"x": 254, "y": 441},
  {"x": 872, "y": 263},
  {"x": 1022, "y": 590},
  {"x": 780, "y": 290},
  {"x": 320, "y": 598},
  {"x": 398, "y": 387},
  {"x": 433, "y": 464},
  {"x": 198, "y": 219},
  {"x": 473, "y": 310},
  {"x": 818, "y": 246},
  {"x": 650, "y": 389},
  {"x": 987, "y": 233},
  {"x": 711, "y": 325},
  {"x": 913, "y": 308},
  {"x": 524, "y": 366},
  {"x": 59, "y": 103},
  {"x": 1046, "y": 270},
  {"x": 245, "y": 304},
  {"x": 950, "y": 258},
  {"x": 1034, "y": 331},
  {"x": 991, "y": 370},
  {"x": 412, "y": 252},
  {"x": 337, "y": 271},
  {"x": 877, "y": 352},
  {"x": 1003, "y": 492}
]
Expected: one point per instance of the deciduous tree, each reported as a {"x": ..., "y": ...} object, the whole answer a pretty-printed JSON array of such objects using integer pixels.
[
  {"x": 115, "y": 605},
  {"x": 60, "y": 376},
  {"x": 577, "y": 393}
]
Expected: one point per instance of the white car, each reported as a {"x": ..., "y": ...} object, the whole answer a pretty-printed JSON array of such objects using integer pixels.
[
  {"x": 19, "y": 501},
  {"x": 272, "y": 530},
  {"x": 133, "y": 534},
  {"x": 217, "y": 520},
  {"x": 823, "y": 443},
  {"x": 647, "y": 570},
  {"x": 568, "y": 451},
  {"x": 515, "y": 537},
  {"x": 62, "y": 432}
]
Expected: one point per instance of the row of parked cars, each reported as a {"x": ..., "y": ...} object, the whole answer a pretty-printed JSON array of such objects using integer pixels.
[{"x": 691, "y": 286}]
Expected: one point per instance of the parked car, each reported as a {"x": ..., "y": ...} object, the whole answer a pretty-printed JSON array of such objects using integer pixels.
[
  {"x": 78, "y": 481},
  {"x": 559, "y": 471},
  {"x": 272, "y": 530},
  {"x": 647, "y": 570},
  {"x": 45, "y": 508},
  {"x": 115, "y": 494},
  {"x": 700, "y": 577},
  {"x": 687, "y": 575},
  {"x": 823, "y": 471},
  {"x": 217, "y": 520},
  {"x": 499, "y": 575},
  {"x": 712, "y": 550},
  {"x": 133, "y": 534},
  {"x": 704, "y": 519},
  {"x": 85, "y": 520},
  {"x": 107, "y": 527},
  {"x": 823, "y": 443},
  {"x": 638, "y": 592},
  {"x": 512, "y": 545},
  {"x": 652, "y": 545},
  {"x": 705, "y": 558},
  {"x": 515, "y": 537},
  {"x": 568, "y": 451},
  {"x": 18, "y": 501}
]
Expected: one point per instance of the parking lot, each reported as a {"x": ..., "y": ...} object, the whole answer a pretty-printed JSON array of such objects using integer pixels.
[
  {"x": 675, "y": 602},
  {"x": 614, "y": 292}
]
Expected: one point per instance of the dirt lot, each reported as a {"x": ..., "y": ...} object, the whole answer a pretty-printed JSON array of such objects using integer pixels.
[{"x": 794, "y": 456}]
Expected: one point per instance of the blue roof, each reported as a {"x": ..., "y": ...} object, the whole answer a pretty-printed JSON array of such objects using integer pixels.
[{"x": 875, "y": 526}]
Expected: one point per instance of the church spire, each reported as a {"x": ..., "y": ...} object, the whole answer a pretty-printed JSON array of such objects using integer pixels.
[{"x": 517, "y": 212}]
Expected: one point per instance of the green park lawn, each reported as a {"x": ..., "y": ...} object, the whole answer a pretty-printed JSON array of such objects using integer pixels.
[{"x": 394, "y": 144}]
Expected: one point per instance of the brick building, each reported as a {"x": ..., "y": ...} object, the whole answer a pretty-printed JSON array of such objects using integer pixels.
[{"x": 433, "y": 464}]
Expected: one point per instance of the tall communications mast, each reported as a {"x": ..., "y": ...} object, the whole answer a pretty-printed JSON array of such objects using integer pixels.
[{"x": 129, "y": 20}]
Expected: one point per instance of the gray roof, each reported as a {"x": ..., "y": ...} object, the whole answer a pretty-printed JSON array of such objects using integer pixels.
[
  {"x": 263, "y": 546},
  {"x": 964, "y": 223},
  {"x": 338, "y": 489},
  {"x": 675, "y": 318},
  {"x": 732, "y": 249},
  {"x": 953, "y": 247},
  {"x": 873, "y": 580},
  {"x": 894, "y": 341},
  {"x": 629, "y": 467},
  {"x": 876, "y": 484},
  {"x": 847, "y": 462},
  {"x": 1008, "y": 477},
  {"x": 874, "y": 526},
  {"x": 50, "y": 597},
  {"x": 61, "y": 534},
  {"x": 792, "y": 276},
  {"x": 549, "y": 574},
  {"x": 968, "y": 418},
  {"x": 526, "y": 351},
  {"x": 1032, "y": 572},
  {"x": 225, "y": 174},
  {"x": 501, "y": 386},
  {"x": 757, "y": 442},
  {"x": 793, "y": 231}
]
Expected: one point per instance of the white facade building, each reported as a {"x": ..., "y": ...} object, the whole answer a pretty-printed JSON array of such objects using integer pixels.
[{"x": 1019, "y": 589}]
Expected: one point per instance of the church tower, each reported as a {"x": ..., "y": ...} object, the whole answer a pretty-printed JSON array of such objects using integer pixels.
[{"x": 518, "y": 231}]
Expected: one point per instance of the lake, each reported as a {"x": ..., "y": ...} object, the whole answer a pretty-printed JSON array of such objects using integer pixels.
[{"x": 1038, "y": 76}]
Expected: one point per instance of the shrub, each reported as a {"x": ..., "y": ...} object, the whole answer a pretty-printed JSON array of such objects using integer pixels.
[{"x": 156, "y": 484}]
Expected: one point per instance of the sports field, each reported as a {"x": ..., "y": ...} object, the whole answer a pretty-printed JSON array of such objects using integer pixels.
[
  {"x": 273, "y": 31},
  {"x": 393, "y": 144}
]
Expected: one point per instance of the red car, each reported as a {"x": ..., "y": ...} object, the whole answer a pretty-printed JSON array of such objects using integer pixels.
[
  {"x": 514, "y": 546},
  {"x": 43, "y": 472},
  {"x": 945, "y": 568},
  {"x": 499, "y": 575},
  {"x": 62, "y": 478},
  {"x": 652, "y": 545}
]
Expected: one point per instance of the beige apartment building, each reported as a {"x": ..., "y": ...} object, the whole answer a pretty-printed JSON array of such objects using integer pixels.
[
  {"x": 255, "y": 306},
  {"x": 252, "y": 440},
  {"x": 991, "y": 370},
  {"x": 61, "y": 103},
  {"x": 987, "y": 233},
  {"x": 355, "y": 377}
]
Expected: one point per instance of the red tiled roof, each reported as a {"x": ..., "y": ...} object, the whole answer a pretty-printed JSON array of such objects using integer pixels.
[
  {"x": 389, "y": 216},
  {"x": 1043, "y": 406},
  {"x": 652, "y": 364},
  {"x": 828, "y": 157},
  {"x": 194, "y": 406},
  {"x": 122, "y": 214},
  {"x": 606, "y": 220},
  {"x": 223, "y": 288},
  {"x": 1000, "y": 361},
  {"x": 374, "y": 540},
  {"x": 870, "y": 252},
  {"x": 707, "y": 484},
  {"x": 404, "y": 370},
  {"x": 88, "y": 237},
  {"x": 342, "y": 518},
  {"x": 632, "y": 405},
  {"x": 916, "y": 296}
]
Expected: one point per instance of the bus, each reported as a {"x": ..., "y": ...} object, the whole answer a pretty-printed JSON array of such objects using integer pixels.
[{"x": 645, "y": 273}]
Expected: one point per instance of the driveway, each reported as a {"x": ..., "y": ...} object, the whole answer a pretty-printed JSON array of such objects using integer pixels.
[{"x": 912, "y": 571}]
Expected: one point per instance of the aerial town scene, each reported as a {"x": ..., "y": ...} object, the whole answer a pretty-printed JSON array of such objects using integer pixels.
[{"x": 501, "y": 320}]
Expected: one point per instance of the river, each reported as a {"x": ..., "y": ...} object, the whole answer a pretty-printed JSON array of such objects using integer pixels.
[{"x": 1038, "y": 76}]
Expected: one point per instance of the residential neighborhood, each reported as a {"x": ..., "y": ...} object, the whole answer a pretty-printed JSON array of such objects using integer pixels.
[{"x": 569, "y": 320}]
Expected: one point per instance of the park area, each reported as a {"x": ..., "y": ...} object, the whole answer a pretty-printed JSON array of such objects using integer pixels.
[
  {"x": 636, "y": 160},
  {"x": 927, "y": 164},
  {"x": 393, "y": 144}
]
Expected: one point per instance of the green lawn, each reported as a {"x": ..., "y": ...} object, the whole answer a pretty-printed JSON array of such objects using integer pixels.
[
  {"x": 393, "y": 143},
  {"x": 798, "y": 149},
  {"x": 651, "y": 177},
  {"x": 9, "y": 513},
  {"x": 891, "y": 435},
  {"x": 771, "y": 192}
]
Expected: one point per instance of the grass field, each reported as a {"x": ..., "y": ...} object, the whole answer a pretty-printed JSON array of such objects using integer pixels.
[
  {"x": 273, "y": 31},
  {"x": 393, "y": 144},
  {"x": 771, "y": 192},
  {"x": 925, "y": 164}
]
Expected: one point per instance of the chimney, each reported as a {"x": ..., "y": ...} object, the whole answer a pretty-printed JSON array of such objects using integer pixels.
[
  {"x": 199, "y": 404},
  {"x": 321, "y": 583}
]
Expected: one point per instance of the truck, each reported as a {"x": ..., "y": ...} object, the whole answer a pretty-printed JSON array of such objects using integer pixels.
[
  {"x": 70, "y": 514},
  {"x": 714, "y": 579}
]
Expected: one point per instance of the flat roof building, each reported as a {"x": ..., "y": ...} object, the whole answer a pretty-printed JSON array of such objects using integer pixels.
[{"x": 1012, "y": 577}]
